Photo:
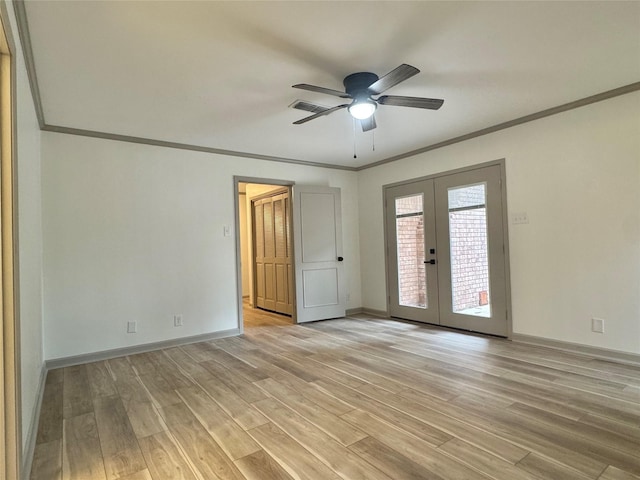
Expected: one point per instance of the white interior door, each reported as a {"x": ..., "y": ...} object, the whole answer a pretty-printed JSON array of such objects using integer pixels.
[{"x": 320, "y": 287}]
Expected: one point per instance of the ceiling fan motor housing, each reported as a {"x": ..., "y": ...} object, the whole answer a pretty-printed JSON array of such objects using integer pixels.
[{"x": 357, "y": 84}]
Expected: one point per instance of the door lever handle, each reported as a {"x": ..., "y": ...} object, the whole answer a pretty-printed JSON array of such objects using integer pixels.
[
  {"x": 431, "y": 262},
  {"x": 340, "y": 259}
]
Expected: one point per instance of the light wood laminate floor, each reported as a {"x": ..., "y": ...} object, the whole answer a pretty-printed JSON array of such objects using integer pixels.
[
  {"x": 355, "y": 398},
  {"x": 255, "y": 317}
]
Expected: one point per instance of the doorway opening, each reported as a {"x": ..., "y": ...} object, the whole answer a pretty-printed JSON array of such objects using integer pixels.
[
  {"x": 265, "y": 245},
  {"x": 447, "y": 251}
]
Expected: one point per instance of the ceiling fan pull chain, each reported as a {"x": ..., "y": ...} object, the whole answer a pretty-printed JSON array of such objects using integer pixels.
[
  {"x": 354, "y": 139},
  {"x": 373, "y": 139}
]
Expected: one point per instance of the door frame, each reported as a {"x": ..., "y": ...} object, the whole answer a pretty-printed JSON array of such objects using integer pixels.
[
  {"x": 237, "y": 180},
  {"x": 11, "y": 452},
  {"x": 501, "y": 163}
]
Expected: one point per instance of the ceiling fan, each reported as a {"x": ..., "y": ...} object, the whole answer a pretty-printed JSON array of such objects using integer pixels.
[{"x": 361, "y": 87}]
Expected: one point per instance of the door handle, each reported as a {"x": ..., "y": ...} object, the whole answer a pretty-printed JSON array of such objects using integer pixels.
[
  {"x": 431, "y": 262},
  {"x": 340, "y": 259}
]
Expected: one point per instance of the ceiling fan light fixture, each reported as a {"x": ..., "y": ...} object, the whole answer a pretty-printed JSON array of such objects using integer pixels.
[{"x": 362, "y": 108}]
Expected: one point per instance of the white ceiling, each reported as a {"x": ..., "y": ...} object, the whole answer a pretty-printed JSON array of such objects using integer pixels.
[{"x": 219, "y": 74}]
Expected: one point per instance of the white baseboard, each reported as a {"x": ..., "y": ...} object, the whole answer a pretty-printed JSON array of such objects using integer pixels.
[
  {"x": 32, "y": 433},
  {"x": 595, "y": 352},
  {"x": 367, "y": 311},
  {"x": 146, "y": 347},
  {"x": 375, "y": 313}
]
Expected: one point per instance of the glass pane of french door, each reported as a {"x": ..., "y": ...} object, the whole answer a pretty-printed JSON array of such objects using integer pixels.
[
  {"x": 468, "y": 247},
  {"x": 412, "y": 288}
]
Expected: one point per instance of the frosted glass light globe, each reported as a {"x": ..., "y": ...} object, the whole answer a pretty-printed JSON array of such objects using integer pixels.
[{"x": 362, "y": 109}]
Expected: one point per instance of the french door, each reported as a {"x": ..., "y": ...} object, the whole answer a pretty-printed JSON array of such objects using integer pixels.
[{"x": 446, "y": 255}]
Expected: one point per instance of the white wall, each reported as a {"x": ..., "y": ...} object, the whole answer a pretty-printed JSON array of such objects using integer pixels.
[
  {"x": 577, "y": 175},
  {"x": 30, "y": 240},
  {"x": 135, "y": 232}
]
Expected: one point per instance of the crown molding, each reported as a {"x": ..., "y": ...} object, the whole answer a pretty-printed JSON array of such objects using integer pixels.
[
  {"x": 633, "y": 87},
  {"x": 187, "y": 146},
  {"x": 27, "y": 52},
  {"x": 25, "y": 39}
]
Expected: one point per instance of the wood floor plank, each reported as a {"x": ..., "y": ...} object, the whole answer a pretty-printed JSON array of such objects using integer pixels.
[
  {"x": 260, "y": 466},
  {"x": 187, "y": 364},
  {"x": 547, "y": 441},
  {"x": 118, "y": 442},
  {"x": 440, "y": 423},
  {"x": 81, "y": 454},
  {"x": 332, "y": 425},
  {"x": 100, "y": 380},
  {"x": 145, "y": 419},
  {"x": 290, "y": 455},
  {"x": 391, "y": 462},
  {"x": 573, "y": 428},
  {"x": 127, "y": 382},
  {"x": 50, "y": 422},
  {"x": 492, "y": 466},
  {"x": 168, "y": 369},
  {"x": 413, "y": 448},
  {"x": 175, "y": 414},
  {"x": 613, "y": 473},
  {"x": 142, "y": 475},
  {"x": 242, "y": 387},
  {"x": 233, "y": 405},
  {"x": 142, "y": 364},
  {"x": 76, "y": 394},
  {"x": 227, "y": 433},
  {"x": 200, "y": 352},
  {"x": 47, "y": 461},
  {"x": 333, "y": 454},
  {"x": 629, "y": 431},
  {"x": 546, "y": 469},
  {"x": 205, "y": 454},
  {"x": 164, "y": 459},
  {"x": 55, "y": 375},
  {"x": 160, "y": 391},
  {"x": 415, "y": 426}
]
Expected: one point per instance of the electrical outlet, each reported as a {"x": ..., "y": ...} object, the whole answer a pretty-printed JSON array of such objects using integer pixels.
[
  {"x": 520, "y": 218},
  {"x": 132, "y": 327},
  {"x": 348, "y": 297},
  {"x": 177, "y": 320},
  {"x": 597, "y": 325}
]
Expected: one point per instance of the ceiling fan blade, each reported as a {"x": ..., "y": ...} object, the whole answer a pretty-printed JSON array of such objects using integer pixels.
[
  {"x": 328, "y": 91},
  {"x": 415, "y": 102},
  {"x": 320, "y": 114},
  {"x": 393, "y": 78},
  {"x": 309, "y": 107},
  {"x": 368, "y": 123}
]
